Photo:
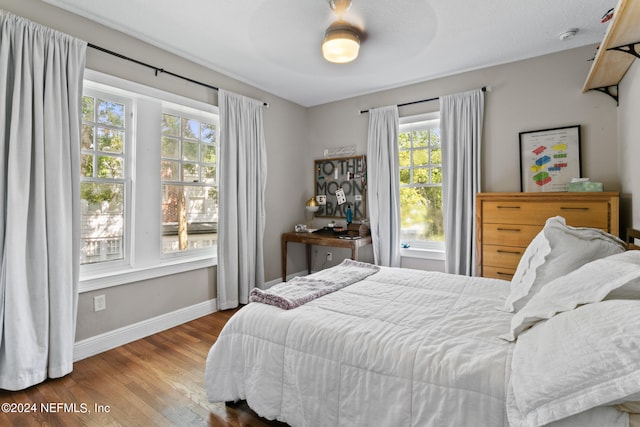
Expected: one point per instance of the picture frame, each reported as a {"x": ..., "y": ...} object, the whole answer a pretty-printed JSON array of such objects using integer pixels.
[
  {"x": 549, "y": 159},
  {"x": 341, "y": 183}
]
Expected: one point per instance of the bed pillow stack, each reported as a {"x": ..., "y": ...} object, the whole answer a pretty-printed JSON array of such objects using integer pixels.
[
  {"x": 577, "y": 344},
  {"x": 557, "y": 250}
]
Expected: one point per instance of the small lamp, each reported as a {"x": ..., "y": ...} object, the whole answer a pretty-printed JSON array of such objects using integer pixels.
[{"x": 312, "y": 206}]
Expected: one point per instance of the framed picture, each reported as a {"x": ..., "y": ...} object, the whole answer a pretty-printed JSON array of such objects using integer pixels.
[
  {"x": 341, "y": 183},
  {"x": 549, "y": 159}
]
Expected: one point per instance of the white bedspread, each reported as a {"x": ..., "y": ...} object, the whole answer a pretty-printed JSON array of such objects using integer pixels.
[{"x": 400, "y": 348}]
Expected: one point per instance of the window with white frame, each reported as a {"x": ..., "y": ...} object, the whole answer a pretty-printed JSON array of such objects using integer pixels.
[
  {"x": 420, "y": 161},
  {"x": 103, "y": 176},
  {"x": 148, "y": 174},
  {"x": 189, "y": 184}
]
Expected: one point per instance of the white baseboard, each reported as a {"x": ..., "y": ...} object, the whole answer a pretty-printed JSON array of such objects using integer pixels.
[{"x": 112, "y": 339}]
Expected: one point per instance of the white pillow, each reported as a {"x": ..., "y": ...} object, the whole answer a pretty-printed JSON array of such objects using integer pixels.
[
  {"x": 577, "y": 360},
  {"x": 557, "y": 250},
  {"x": 614, "y": 277}
]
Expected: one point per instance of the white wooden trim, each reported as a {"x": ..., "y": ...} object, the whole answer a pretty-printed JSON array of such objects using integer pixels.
[{"x": 112, "y": 339}]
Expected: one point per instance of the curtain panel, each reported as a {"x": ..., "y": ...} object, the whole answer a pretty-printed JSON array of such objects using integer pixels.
[
  {"x": 383, "y": 185},
  {"x": 461, "y": 122},
  {"x": 241, "y": 215},
  {"x": 41, "y": 98}
]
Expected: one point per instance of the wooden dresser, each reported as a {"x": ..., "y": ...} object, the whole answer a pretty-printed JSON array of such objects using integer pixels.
[{"x": 507, "y": 222}]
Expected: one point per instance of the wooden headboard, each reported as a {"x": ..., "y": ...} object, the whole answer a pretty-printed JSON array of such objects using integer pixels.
[{"x": 632, "y": 235}]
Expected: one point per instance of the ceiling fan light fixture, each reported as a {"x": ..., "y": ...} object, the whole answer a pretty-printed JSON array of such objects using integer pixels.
[{"x": 341, "y": 43}]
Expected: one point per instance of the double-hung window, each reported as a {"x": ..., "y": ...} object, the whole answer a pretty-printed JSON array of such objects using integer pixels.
[
  {"x": 189, "y": 183},
  {"x": 149, "y": 196},
  {"x": 104, "y": 173},
  {"x": 420, "y": 161}
]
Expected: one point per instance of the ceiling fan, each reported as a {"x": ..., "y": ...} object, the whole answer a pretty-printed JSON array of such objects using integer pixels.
[{"x": 341, "y": 42}]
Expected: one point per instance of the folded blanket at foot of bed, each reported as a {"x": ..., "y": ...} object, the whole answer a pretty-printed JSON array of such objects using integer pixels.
[{"x": 300, "y": 290}]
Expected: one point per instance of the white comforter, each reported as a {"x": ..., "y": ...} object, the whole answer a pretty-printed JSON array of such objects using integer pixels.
[{"x": 400, "y": 348}]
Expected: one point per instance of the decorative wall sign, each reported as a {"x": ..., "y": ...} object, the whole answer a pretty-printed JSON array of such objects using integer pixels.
[
  {"x": 332, "y": 178},
  {"x": 549, "y": 159}
]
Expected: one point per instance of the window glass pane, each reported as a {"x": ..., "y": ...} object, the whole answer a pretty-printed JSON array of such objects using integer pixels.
[
  {"x": 190, "y": 172},
  {"x": 421, "y": 157},
  {"x": 404, "y": 140},
  {"x": 111, "y": 113},
  {"x": 101, "y": 222},
  {"x": 87, "y": 108},
  {"x": 169, "y": 171},
  {"x": 421, "y": 213},
  {"x": 436, "y": 156},
  {"x": 190, "y": 129},
  {"x": 436, "y": 175},
  {"x": 170, "y": 125},
  {"x": 404, "y": 157},
  {"x": 190, "y": 151},
  {"x": 208, "y": 153},
  {"x": 87, "y": 137},
  {"x": 110, "y": 140},
  {"x": 421, "y": 139},
  {"x": 208, "y": 133},
  {"x": 86, "y": 165},
  {"x": 189, "y": 217},
  {"x": 209, "y": 174},
  {"x": 110, "y": 167},
  {"x": 405, "y": 176},
  {"x": 170, "y": 148},
  {"x": 421, "y": 175}
]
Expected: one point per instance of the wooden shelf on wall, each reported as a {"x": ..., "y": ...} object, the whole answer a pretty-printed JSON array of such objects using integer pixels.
[{"x": 610, "y": 66}]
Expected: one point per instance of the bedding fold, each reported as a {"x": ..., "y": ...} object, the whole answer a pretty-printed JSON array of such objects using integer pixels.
[{"x": 300, "y": 290}]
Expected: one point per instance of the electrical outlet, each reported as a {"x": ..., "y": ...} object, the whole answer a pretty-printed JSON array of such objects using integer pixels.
[
  {"x": 329, "y": 256},
  {"x": 99, "y": 302}
]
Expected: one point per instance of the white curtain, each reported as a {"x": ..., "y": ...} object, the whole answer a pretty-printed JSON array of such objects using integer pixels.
[
  {"x": 41, "y": 97},
  {"x": 383, "y": 185},
  {"x": 241, "y": 216},
  {"x": 461, "y": 119}
]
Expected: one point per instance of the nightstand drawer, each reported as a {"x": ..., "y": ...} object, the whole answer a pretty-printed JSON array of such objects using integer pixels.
[
  {"x": 509, "y": 234},
  {"x": 501, "y": 256}
]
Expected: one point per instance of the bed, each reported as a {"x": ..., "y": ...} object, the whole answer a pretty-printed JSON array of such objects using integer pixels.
[{"x": 557, "y": 346}]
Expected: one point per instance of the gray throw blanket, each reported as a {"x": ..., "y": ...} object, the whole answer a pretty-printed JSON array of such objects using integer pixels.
[{"x": 300, "y": 290}]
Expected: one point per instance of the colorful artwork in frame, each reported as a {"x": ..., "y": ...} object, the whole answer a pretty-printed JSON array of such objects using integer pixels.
[{"x": 549, "y": 159}]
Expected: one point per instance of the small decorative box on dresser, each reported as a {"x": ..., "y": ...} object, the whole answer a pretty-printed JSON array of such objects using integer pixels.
[{"x": 507, "y": 222}]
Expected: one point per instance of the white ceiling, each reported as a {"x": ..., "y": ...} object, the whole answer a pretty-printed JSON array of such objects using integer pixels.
[{"x": 275, "y": 44}]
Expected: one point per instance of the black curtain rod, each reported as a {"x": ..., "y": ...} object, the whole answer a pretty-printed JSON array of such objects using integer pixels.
[
  {"x": 154, "y": 68},
  {"x": 484, "y": 89}
]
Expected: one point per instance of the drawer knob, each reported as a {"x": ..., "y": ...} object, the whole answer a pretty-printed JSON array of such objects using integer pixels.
[
  {"x": 508, "y": 207},
  {"x": 515, "y": 230},
  {"x": 563, "y": 208}
]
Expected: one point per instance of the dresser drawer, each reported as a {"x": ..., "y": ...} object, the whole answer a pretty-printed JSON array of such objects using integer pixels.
[
  {"x": 577, "y": 213},
  {"x": 498, "y": 272},
  {"x": 509, "y": 234},
  {"x": 501, "y": 256}
]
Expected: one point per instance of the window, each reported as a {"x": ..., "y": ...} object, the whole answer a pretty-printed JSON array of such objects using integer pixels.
[
  {"x": 103, "y": 177},
  {"x": 420, "y": 158},
  {"x": 148, "y": 172},
  {"x": 189, "y": 183}
]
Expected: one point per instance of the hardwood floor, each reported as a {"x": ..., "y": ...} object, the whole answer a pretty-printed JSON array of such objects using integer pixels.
[{"x": 155, "y": 381}]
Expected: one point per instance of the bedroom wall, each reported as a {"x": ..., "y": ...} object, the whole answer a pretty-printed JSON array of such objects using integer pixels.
[
  {"x": 285, "y": 133},
  {"x": 538, "y": 93},
  {"x": 629, "y": 147}
]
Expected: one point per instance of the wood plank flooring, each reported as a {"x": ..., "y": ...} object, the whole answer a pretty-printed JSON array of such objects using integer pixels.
[{"x": 155, "y": 381}]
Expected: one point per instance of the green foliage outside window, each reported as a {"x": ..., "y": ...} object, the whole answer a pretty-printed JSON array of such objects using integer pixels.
[{"x": 420, "y": 160}]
